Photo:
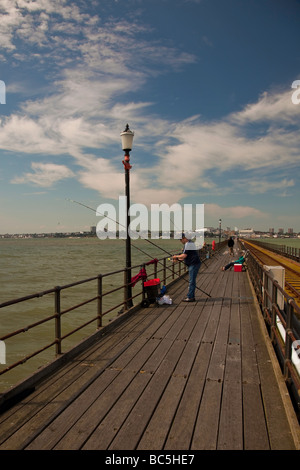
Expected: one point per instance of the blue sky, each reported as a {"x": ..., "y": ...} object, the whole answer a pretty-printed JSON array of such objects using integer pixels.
[{"x": 206, "y": 86}]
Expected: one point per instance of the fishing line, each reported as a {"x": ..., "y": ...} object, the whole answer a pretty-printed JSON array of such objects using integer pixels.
[
  {"x": 139, "y": 249},
  {"x": 103, "y": 215}
]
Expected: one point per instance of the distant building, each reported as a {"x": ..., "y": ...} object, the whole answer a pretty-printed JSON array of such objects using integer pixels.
[
  {"x": 93, "y": 230},
  {"x": 246, "y": 233},
  {"x": 280, "y": 230},
  {"x": 290, "y": 231}
]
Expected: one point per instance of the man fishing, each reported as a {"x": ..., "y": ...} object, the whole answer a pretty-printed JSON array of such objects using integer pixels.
[{"x": 191, "y": 258}]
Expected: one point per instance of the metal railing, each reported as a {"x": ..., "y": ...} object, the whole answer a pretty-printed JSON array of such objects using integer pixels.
[
  {"x": 282, "y": 318},
  {"x": 291, "y": 252},
  {"x": 105, "y": 302}
]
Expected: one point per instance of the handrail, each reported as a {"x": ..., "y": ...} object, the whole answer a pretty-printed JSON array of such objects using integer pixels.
[
  {"x": 282, "y": 322},
  {"x": 284, "y": 250}
]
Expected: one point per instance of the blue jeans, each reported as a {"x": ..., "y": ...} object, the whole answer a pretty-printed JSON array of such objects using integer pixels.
[{"x": 193, "y": 271}]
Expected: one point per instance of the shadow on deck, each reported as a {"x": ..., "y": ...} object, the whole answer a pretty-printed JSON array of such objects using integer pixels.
[{"x": 179, "y": 377}]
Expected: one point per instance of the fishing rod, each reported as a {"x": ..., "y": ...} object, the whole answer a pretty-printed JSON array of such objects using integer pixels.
[
  {"x": 103, "y": 215},
  {"x": 139, "y": 249},
  {"x": 167, "y": 252}
]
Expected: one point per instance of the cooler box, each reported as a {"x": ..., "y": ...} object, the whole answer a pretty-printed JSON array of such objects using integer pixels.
[
  {"x": 238, "y": 268},
  {"x": 151, "y": 289}
]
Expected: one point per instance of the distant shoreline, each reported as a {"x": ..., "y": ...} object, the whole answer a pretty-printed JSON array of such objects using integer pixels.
[{"x": 210, "y": 234}]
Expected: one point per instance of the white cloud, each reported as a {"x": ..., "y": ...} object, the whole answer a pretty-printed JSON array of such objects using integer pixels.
[
  {"x": 275, "y": 107},
  {"x": 25, "y": 134},
  {"x": 100, "y": 174},
  {"x": 187, "y": 153},
  {"x": 108, "y": 180},
  {"x": 44, "y": 174},
  {"x": 235, "y": 212},
  {"x": 260, "y": 186},
  {"x": 230, "y": 144}
]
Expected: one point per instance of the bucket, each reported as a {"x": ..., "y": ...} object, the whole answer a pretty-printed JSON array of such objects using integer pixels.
[{"x": 151, "y": 289}]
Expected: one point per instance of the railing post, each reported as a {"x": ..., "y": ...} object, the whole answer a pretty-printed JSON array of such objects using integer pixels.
[
  {"x": 288, "y": 340},
  {"x": 125, "y": 290},
  {"x": 273, "y": 310},
  {"x": 57, "y": 319},
  {"x": 264, "y": 292},
  {"x": 143, "y": 290},
  {"x": 173, "y": 271},
  {"x": 99, "y": 302},
  {"x": 260, "y": 279}
]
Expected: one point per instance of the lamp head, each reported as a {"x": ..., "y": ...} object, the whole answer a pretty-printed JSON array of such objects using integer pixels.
[{"x": 127, "y": 138}]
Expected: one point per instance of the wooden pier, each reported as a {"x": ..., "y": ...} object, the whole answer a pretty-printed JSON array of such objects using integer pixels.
[{"x": 186, "y": 376}]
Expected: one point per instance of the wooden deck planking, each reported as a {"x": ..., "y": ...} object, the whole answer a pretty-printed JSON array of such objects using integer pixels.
[
  {"x": 56, "y": 393},
  {"x": 185, "y": 376}
]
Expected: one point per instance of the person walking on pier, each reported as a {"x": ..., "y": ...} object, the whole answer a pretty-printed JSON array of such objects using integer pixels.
[
  {"x": 230, "y": 245},
  {"x": 191, "y": 258}
]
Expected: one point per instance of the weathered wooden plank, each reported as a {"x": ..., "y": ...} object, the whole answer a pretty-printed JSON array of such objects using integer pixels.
[
  {"x": 203, "y": 316},
  {"x": 104, "y": 419},
  {"x": 227, "y": 295},
  {"x": 181, "y": 431},
  {"x": 170, "y": 325},
  {"x": 234, "y": 336},
  {"x": 179, "y": 324},
  {"x": 218, "y": 358},
  {"x": 48, "y": 399},
  {"x": 212, "y": 324},
  {"x": 157, "y": 430},
  {"x": 206, "y": 429},
  {"x": 61, "y": 400},
  {"x": 236, "y": 281},
  {"x": 48, "y": 437},
  {"x": 164, "y": 315},
  {"x": 108, "y": 427},
  {"x": 231, "y": 417},
  {"x": 78, "y": 420},
  {"x": 69, "y": 372},
  {"x": 133, "y": 427},
  {"x": 250, "y": 372},
  {"x": 54, "y": 407},
  {"x": 193, "y": 313},
  {"x": 255, "y": 429}
]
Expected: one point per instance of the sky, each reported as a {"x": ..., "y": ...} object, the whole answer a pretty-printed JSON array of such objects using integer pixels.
[{"x": 211, "y": 89}]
